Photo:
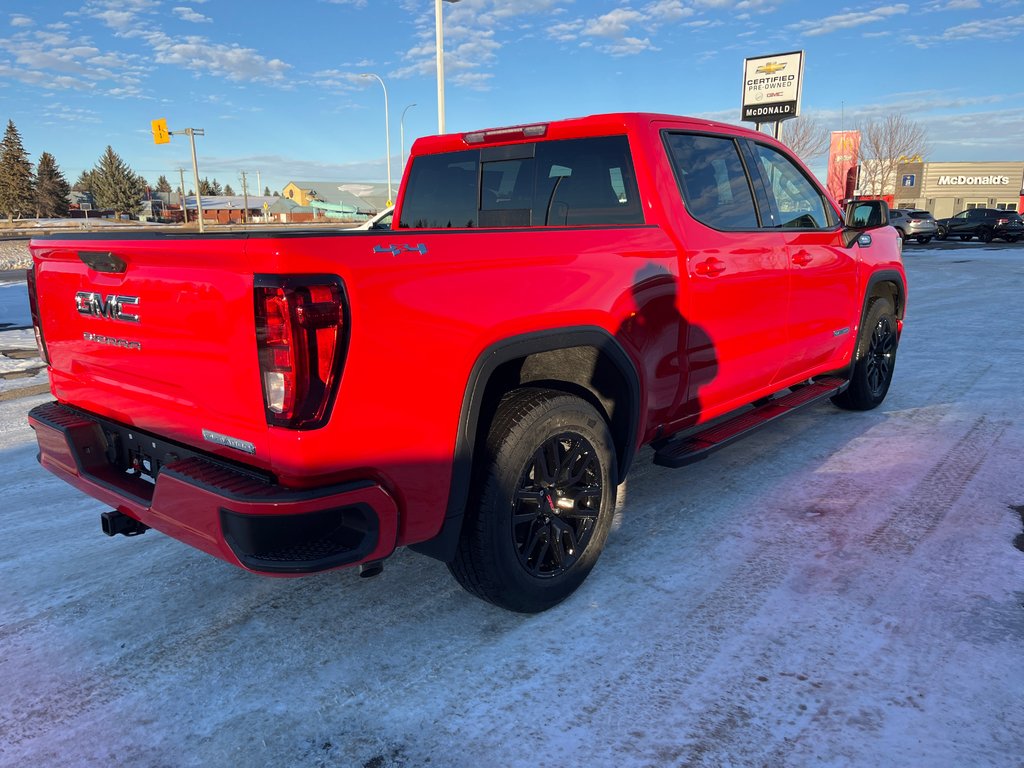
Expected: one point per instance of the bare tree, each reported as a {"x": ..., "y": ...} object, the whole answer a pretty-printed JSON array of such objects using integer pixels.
[
  {"x": 884, "y": 144},
  {"x": 806, "y": 137}
]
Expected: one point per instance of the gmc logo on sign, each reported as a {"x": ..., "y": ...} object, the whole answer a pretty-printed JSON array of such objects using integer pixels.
[{"x": 112, "y": 307}]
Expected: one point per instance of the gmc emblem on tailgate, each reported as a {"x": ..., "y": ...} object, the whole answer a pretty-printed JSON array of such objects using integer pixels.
[{"x": 112, "y": 307}]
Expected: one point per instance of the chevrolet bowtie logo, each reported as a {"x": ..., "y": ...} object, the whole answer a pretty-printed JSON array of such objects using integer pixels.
[
  {"x": 770, "y": 68},
  {"x": 395, "y": 250}
]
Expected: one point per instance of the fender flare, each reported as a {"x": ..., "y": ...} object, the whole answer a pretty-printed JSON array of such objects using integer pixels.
[{"x": 443, "y": 545}]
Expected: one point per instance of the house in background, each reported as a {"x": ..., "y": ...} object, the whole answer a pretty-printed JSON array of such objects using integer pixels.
[{"x": 354, "y": 201}]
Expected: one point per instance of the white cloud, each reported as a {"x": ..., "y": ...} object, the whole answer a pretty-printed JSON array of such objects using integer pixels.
[
  {"x": 190, "y": 14},
  {"x": 841, "y": 21},
  {"x": 613, "y": 24},
  {"x": 628, "y": 46},
  {"x": 17, "y": 20},
  {"x": 230, "y": 61}
]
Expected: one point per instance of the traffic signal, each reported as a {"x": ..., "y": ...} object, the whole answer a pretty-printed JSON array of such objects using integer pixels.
[{"x": 160, "y": 133}]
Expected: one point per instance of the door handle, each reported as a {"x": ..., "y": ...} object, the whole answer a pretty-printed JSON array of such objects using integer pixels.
[
  {"x": 710, "y": 268},
  {"x": 802, "y": 258}
]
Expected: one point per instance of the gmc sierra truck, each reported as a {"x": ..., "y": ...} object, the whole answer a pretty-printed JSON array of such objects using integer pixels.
[{"x": 475, "y": 382}]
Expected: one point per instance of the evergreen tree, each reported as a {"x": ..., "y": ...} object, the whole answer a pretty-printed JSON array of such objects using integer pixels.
[
  {"x": 266, "y": 191},
  {"x": 16, "y": 184},
  {"x": 215, "y": 188},
  {"x": 276, "y": 193},
  {"x": 205, "y": 187},
  {"x": 116, "y": 186},
  {"x": 228, "y": 190},
  {"x": 52, "y": 189},
  {"x": 84, "y": 182},
  {"x": 162, "y": 184}
]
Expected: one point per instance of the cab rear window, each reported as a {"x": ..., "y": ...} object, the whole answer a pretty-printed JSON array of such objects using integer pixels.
[{"x": 549, "y": 183}]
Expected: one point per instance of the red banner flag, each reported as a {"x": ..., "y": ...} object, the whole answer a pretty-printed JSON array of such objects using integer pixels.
[{"x": 843, "y": 157}]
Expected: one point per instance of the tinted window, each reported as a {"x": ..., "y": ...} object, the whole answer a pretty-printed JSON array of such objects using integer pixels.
[
  {"x": 799, "y": 203},
  {"x": 585, "y": 181},
  {"x": 442, "y": 191},
  {"x": 712, "y": 180},
  {"x": 548, "y": 183}
]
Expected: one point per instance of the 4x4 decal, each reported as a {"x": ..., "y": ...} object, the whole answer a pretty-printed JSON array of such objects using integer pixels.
[{"x": 395, "y": 250}]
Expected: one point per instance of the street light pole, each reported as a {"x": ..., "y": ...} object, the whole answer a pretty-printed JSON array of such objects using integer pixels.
[
  {"x": 387, "y": 132},
  {"x": 439, "y": 44},
  {"x": 401, "y": 137}
]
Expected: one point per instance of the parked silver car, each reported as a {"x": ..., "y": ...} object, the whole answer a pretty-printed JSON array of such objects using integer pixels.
[{"x": 913, "y": 224}]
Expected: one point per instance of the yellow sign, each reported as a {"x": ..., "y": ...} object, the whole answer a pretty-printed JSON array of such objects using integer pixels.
[{"x": 160, "y": 133}]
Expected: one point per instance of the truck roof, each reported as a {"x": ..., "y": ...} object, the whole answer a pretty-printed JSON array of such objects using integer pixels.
[{"x": 568, "y": 128}]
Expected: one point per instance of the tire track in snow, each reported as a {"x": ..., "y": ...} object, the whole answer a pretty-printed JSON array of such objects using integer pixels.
[{"x": 934, "y": 495}]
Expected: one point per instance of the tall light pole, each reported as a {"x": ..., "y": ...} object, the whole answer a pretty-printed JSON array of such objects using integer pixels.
[
  {"x": 401, "y": 137},
  {"x": 439, "y": 40},
  {"x": 387, "y": 132}
]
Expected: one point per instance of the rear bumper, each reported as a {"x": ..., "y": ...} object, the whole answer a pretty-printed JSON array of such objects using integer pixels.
[{"x": 238, "y": 516}]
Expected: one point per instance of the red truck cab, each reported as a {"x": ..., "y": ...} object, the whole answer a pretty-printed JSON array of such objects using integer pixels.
[{"x": 475, "y": 382}]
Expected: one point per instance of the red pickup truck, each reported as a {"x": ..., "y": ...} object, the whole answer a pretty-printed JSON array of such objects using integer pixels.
[{"x": 475, "y": 382}]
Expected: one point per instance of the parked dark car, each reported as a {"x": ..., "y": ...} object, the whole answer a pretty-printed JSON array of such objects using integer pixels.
[
  {"x": 986, "y": 224},
  {"x": 913, "y": 224}
]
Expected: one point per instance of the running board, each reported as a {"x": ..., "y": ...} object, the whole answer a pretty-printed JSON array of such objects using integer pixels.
[{"x": 694, "y": 447}]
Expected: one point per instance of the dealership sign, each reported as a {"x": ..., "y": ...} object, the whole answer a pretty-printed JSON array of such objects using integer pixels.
[
  {"x": 973, "y": 180},
  {"x": 772, "y": 86}
]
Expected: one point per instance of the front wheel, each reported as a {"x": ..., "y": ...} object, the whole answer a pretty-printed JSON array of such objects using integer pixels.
[
  {"x": 875, "y": 359},
  {"x": 985, "y": 236},
  {"x": 542, "y": 505},
  {"x": 941, "y": 234}
]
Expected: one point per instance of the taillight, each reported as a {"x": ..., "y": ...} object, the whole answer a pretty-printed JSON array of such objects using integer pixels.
[
  {"x": 33, "y": 306},
  {"x": 301, "y": 336}
]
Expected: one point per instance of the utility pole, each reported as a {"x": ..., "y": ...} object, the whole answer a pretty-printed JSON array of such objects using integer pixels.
[
  {"x": 245, "y": 195},
  {"x": 163, "y": 136},
  {"x": 184, "y": 208},
  {"x": 192, "y": 133},
  {"x": 259, "y": 184}
]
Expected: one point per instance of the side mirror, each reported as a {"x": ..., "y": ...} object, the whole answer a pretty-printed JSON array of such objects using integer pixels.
[{"x": 866, "y": 214}]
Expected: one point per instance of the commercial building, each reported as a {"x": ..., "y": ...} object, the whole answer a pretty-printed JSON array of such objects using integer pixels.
[{"x": 948, "y": 188}]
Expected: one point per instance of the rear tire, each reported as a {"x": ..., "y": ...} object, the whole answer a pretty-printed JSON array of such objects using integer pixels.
[
  {"x": 875, "y": 359},
  {"x": 539, "y": 516},
  {"x": 985, "y": 236}
]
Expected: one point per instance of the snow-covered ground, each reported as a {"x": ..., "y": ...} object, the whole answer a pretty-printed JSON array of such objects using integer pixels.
[{"x": 840, "y": 589}]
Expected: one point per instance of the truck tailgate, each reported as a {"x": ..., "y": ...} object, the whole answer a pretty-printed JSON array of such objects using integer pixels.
[{"x": 156, "y": 333}]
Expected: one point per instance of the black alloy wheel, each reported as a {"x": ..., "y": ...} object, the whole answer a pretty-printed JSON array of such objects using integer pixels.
[
  {"x": 881, "y": 356},
  {"x": 542, "y": 502},
  {"x": 941, "y": 234},
  {"x": 875, "y": 359},
  {"x": 556, "y": 506}
]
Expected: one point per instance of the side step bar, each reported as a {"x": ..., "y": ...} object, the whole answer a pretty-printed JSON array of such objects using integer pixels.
[{"x": 694, "y": 447}]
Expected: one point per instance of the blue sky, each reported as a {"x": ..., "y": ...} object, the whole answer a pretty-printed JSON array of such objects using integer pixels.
[{"x": 275, "y": 85}]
